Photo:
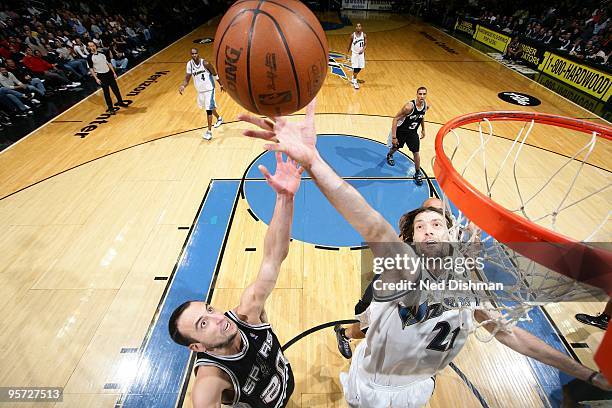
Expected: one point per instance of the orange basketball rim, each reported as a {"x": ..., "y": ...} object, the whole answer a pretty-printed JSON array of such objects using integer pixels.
[{"x": 556, "y": 251}]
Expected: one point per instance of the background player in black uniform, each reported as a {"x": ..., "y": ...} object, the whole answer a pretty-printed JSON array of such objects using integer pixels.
[
  {"x": 404, "y": 130},
  {"x": 239, "y": 358}
]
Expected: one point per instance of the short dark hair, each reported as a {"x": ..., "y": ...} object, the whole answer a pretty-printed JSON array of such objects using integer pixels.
[
  {"x": 175, "y": 334},
  {"x": 423, "y": 88},
  {"x": 406, "y": 222}
]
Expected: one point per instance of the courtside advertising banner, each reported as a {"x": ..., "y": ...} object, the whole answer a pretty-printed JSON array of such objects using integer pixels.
[
  {"x": 532, "y": 53},
  {"x": 355, "y": 4},
  {"x": 585, "y": 78},
  {"x": 491, "y": 38},
  {"x": 467, "y": 27},
  {"x": 384, "y": 5}
]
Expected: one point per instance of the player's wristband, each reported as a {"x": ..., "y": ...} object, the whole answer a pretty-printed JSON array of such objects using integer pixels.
[
  {"x": 216, "y": 77},
  {"x": 592, "y": 377}
]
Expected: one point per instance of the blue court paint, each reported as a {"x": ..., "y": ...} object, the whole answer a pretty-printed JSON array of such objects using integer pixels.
[
  {"x": 550, "y": 379},
  {"x": 349, "y": 156},
  {"x": 163, "y": 362},
  {"x": 317, "y": 222}
]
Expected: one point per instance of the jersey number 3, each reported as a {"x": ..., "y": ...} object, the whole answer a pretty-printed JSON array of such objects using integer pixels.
[{"x": 440, "y": 342}]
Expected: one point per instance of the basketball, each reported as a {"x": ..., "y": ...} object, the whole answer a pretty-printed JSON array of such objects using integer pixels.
[{"x": 271, "y": 56}]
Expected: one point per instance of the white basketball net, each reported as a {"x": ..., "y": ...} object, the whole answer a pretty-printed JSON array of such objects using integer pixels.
[{"x": 526, "y": 283}]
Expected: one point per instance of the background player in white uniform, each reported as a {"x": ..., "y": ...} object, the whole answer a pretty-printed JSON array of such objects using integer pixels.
[
  {"x": 357, "y": 46},
  {"x": 232, "y": 367},
  {"x": 404, "y": 346},
  {"x": 204, "y": 77}
]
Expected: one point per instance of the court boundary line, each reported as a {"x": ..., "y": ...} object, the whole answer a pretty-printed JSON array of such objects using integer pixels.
[{"x": 521, "y": 75}]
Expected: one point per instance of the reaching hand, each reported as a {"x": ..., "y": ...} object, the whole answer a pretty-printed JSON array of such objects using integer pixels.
[
  {"x": 181, "y": 89},
  {"x": 296, "y": 140},
  {"x": 286, "y": 179}
]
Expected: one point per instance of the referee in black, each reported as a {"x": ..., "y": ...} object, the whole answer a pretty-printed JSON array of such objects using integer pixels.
[{"x": 105, "y": 75}]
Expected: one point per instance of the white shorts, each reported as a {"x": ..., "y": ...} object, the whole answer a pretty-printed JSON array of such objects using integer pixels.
[
  {"x": 357, "y": 60},
  {"x": 206, "y": 100},
  {"x": 359, "y": 392}
]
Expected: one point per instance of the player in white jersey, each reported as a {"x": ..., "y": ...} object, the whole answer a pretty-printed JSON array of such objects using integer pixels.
[
  {"x": 204, "y": 77},
  {"x": 405, "y": 345},
  {"x": 357, "y": 46}
]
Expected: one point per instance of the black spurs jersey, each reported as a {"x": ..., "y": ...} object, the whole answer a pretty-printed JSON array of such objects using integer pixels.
[
  {"x": 412, "y": 121},
  {"x": 260, "y": 373}
]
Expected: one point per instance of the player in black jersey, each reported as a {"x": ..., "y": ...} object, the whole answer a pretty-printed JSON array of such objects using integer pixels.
[
  {"x": 239, "y": 358},
  {"x": 404, "y": 130}
]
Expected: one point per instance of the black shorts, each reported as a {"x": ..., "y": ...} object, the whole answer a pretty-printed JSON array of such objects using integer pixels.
[
  {"x": 363, "y": 303},
  {"x": 410, "y": 139}
]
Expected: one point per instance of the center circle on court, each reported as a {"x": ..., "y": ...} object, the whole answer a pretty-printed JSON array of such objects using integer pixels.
[{"x": 362, "y": 163}]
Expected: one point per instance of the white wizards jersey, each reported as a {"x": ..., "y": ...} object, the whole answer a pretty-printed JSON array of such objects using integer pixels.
[
  {"x": 358, "y": 42},
  {"x": 410, "y": 344},
  {"x": 202, "y": 78}
]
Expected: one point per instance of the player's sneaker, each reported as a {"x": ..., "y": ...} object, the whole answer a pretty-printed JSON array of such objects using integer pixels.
[
  {"x": 343, "y": 343},
  {"x": 207, "y": 135},
  {"x": 418, "y": 178},
  {"x": 390, "y": 160},
  {"x": 218, "y": 122},
  {"x": 355, "y": 85},
  {"x": 600, "y": 321}
]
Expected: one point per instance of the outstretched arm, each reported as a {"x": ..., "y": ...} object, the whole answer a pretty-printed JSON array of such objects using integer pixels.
[
  {"x": 184, "y": 83},
  {"x": 285, "y": 183},
  {"x": 529, "y": 345}
]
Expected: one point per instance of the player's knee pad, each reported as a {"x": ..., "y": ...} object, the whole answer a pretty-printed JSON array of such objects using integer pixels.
[{"x": 209, "y": 112}]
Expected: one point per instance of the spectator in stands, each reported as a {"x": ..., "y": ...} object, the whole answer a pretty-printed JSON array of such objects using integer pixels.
[
  {"x": 35, "y": 44},
  {"x": 70, "y": 68},
  {"x": 589, "y": 49},
  {"x": 10, "y": 81},
  {"x": 39, "y": 66},
  {"x": 565, "y": 42},
  {"x": 548, "y": 38},
  {"x": 118, "y": 58},
  {"x": 95, "y": 28},
  {"x": 597, "y": 55},
  {"x": 99, "y": 42},
  {"x": 15, "y": 53},
  {"x": 68, "y": 61},
  {"x": 514, "y": 51},
  {"x": 80, "y": 49},
  {"x": 17, "y": 100},
  {"x": 577, "y": 49},
  {"x": 24, "y": 75}
]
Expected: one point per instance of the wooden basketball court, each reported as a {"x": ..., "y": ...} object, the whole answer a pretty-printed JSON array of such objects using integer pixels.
[{"x": 99, "y": 219}]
